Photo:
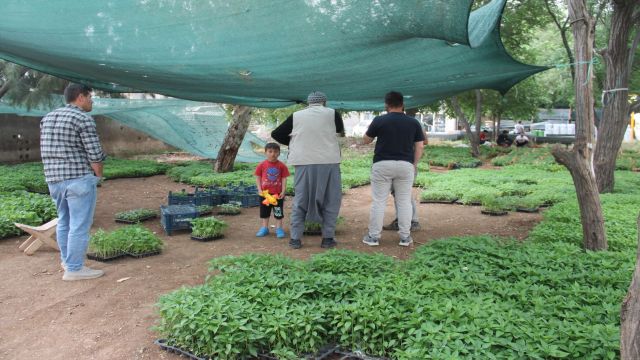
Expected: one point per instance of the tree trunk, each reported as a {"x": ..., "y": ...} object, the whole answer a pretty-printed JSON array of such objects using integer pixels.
[
  {"x": 630, "y": 314},
  {"x": 615, "y": 117},
  {"x": 579, "y": 160},
  {"x": 474, "y": 139},
  {"x": 233, "y": 139}
]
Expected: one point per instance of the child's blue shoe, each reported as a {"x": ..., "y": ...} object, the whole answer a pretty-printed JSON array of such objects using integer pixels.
[
  {"x": 280, "y": 233},
  {"x": 264, "y": 231}
]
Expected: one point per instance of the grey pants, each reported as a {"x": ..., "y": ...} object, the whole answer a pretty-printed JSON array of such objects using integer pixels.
[
  {"x": 414, "y": 212},
  {"x": 318, "y": 195},
  {"x": 384, "y": 175}
]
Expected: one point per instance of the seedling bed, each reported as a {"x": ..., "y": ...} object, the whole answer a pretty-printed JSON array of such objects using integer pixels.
[
  {"x": 207, "y": 238},
  {"x": 95, "y": 257},
  {"x": 142, "y": 255},
  {"x": 494, "y": 212},
  {"x": 139, "y": 220},
  {"x": 228, "y": 213}
]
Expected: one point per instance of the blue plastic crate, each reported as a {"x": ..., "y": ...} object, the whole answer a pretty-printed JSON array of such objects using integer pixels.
[
  {"x": 177, "y": 217},
  {"x": 197, "y": 198},
  {"x": 246, "y": 200}
]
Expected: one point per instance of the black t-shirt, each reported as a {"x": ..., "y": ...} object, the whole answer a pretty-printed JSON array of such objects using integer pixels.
[{"x": 397, "y": 134}]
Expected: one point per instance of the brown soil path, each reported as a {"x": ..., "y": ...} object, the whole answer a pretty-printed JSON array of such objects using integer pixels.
[{"x": 42, "y": 317}]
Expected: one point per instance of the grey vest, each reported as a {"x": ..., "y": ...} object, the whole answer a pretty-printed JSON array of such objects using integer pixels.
[{"x": 313, "y": 138}]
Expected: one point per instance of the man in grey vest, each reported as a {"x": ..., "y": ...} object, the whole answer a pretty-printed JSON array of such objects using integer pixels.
[{"x": 315, "y": 154}]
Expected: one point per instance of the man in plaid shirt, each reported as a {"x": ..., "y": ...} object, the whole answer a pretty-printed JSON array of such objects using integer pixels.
[{"x": 72, "y": 158}]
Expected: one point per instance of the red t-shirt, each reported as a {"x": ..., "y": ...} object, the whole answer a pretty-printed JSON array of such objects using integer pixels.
[{"x": 271, "y": 174}]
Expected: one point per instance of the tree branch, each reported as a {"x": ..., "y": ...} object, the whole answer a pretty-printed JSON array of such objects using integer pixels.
[{"x": 563, "y": 34}]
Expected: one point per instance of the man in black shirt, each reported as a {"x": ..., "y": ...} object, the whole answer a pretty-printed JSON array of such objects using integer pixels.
[{"x": 397, "y": 152}]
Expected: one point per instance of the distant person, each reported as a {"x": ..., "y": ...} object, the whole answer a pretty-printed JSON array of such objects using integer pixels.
[
  {"x": 398, "y": 149},
  {"x": 519, "y": 128},
  {"x": 504, "y": 140},
  {"x": 483, "y": 136},
  {"x": 271, "y": 175},
  {"x": 72, "y": 158},
  {"x": 314, "y": 151},
  {"x": 521, "y": 140}
]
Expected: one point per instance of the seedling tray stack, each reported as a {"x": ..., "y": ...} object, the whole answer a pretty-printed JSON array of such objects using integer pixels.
[{"x": 177, "y": 217}]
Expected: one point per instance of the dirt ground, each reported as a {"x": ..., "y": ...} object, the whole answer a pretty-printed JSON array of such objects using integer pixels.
[{"x": 42, "y": 317}]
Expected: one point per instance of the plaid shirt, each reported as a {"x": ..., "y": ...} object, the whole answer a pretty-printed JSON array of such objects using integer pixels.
[{"x": 68, "y": 144}]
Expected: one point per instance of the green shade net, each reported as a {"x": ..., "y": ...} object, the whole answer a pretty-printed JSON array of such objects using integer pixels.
[
  {"x": 266, "y": 53},
  {"x": 196, "y": 127}
]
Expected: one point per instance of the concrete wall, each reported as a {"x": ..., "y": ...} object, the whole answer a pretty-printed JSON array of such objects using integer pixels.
[{"x": 20, "y": 139}]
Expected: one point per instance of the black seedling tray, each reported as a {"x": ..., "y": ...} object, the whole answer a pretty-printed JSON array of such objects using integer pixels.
[
  {"x": 91, "y": 256},
  {"x": 527, "y": 210},
  {"x": 322, "y": 354},
  {"x": 142, "y": 255},
  {"x": 228, "y": 213},
  {"x": 438, "y": 201},
  {"x": 172, "y": 349},
  {"x": 122, "y": 221},
  {"x": 207, "y": 238},
  {"x": 473, "y": 203},
  {"x": 494, "y": 213}
]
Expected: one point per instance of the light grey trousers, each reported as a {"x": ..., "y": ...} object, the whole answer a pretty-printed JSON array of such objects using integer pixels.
[
  {"x": 318, "y": 195},
  {"x": 384, "y": 175}
]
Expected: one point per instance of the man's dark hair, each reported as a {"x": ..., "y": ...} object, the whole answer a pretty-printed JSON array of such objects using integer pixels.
[
  {"x": 394, "y": 99},
  {"x": 273, "y": 146},
  {"x": 72, "y": 91}
]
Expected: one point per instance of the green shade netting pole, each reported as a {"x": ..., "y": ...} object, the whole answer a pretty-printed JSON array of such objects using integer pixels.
[{"x": 266, "y": 53}]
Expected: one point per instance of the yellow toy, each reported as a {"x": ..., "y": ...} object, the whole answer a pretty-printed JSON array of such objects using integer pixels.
[{"x": 268, "y": 198}]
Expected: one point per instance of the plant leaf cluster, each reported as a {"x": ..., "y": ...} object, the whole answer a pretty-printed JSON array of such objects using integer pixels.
[
  {"x": 472, "y": 297},
  {"x": 208, "y": 227},
  {"x": 130, "y": 239},
  {"x": 25, "y": 208}
]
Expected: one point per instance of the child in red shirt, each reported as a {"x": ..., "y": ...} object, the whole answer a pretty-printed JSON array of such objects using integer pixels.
[{"x": 271, "y": 175}]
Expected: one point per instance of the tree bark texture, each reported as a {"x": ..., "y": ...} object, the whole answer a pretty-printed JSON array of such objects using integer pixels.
[
  {"x": 630, "y": 314},
  {"x": 615, "y": 117},
  {"x": 579, "y": 160},
  {"x": 474, "y": 139},
  {"x": 233, "y": 139}
]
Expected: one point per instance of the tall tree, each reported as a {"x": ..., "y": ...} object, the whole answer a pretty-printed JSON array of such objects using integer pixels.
[
  {"x": 241, "y": 117},
  {"x": 20, "y": 85},
  {"x": 618, "y": 58},
  {"x": 579, "y": 160},
  {"x": 473, "y": 137}
]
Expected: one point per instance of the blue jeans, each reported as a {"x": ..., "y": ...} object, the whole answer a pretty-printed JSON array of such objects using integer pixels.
[{"x": 76, "y": 202}]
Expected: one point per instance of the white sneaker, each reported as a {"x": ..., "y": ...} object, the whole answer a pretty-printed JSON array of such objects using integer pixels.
[
  {"x": 371, "y": 241},
  {"x": 406, "y": 241},
  {"x": 82, "y": 274}
]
